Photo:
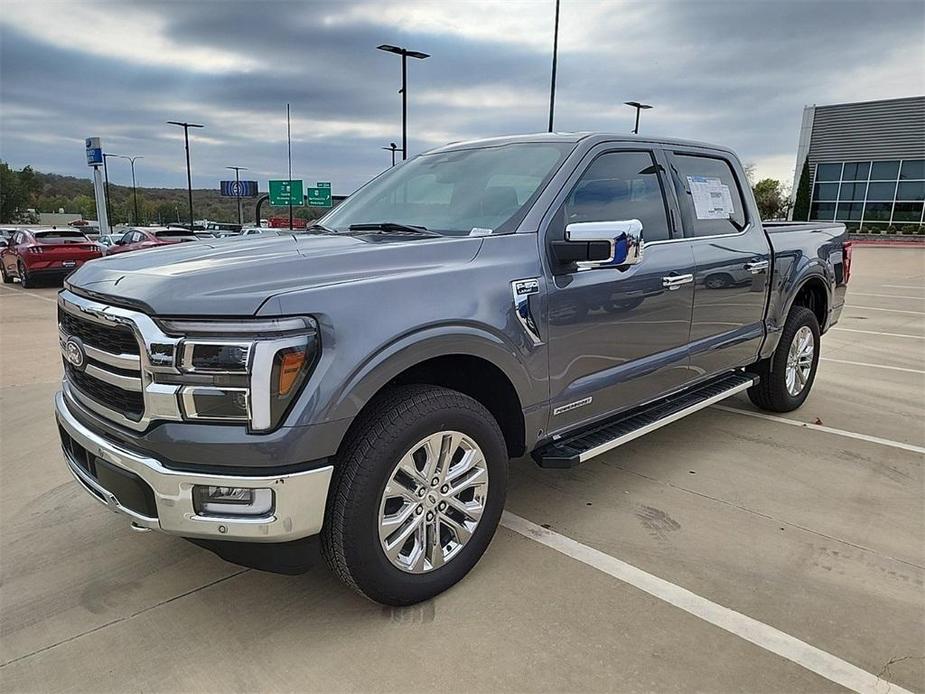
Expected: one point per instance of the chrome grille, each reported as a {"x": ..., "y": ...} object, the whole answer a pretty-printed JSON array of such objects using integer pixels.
[
  {"x": 110, "y": 374},
  {"x": 114, "y": 339}
]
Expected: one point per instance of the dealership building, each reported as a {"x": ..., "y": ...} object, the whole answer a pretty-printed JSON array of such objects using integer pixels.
[{"x": 866, "y": 162}]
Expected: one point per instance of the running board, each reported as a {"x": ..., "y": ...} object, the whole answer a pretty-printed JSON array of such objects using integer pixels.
[{"x": 577, "y": 448}]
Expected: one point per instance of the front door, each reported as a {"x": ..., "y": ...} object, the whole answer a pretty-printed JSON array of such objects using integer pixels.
[{"x": 618, "y": 336}]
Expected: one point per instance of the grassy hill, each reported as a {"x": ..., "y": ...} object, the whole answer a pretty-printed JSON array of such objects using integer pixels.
[{"x": 49, "y": 192}]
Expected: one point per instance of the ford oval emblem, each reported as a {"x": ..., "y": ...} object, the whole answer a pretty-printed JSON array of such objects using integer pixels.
[{"x": 74, "y": 353}]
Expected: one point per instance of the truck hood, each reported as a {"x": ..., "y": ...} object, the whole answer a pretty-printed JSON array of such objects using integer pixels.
[{"x": 234, "y": 277}]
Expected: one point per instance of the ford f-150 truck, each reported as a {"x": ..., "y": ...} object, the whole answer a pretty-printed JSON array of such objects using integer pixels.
[{"x": 366, "y": 381}]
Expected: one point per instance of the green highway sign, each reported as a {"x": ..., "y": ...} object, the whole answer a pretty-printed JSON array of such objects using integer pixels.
[
  {"x": 283, "y": 193},
  {"x": 323, "y": 184},
  {"x": 319, "y": 196}
]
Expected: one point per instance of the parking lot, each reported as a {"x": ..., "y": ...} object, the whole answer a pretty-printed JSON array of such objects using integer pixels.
[{"x": 770, "y": 554}]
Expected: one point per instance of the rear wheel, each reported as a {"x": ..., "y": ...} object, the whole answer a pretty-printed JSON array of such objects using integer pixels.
[
  {"x": 25, "y": 279},
  {"x": 788, "y": 375},
  {"x": 417, "y": 495}
]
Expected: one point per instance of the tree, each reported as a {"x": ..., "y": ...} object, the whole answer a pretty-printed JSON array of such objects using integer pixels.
[
  {"x": 801, "y": 204},
  {"x": 17, "y": 189},
  {"x": 771, "y": 198}
]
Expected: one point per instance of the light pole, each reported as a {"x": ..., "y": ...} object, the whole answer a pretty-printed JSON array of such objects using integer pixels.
[
  {"x": 555, "y": 54},
  {"x": 189, "y": 177},
  {"x": 639, "y": 107},
  {"x": 106, "y": 195},
  {"x": 134, "y": 190},
  {"x": 391, "y": 148},
  {"x": 405, "y": 54},
  {"x": 237, "y": 189}
]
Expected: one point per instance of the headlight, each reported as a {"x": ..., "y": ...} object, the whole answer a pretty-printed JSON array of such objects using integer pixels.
[{"x": 242, "y": 371}]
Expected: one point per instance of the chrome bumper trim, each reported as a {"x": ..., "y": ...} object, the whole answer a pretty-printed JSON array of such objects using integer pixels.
[{"x": 300, "y": 497}]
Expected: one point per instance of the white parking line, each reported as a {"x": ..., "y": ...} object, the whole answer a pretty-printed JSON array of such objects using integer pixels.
[
  {"x": 890, "y": 310},
  {"x": 872, "y": 366},
  {"x": 904, "y": 286},
  {"x": 23, "y": 292},
  {"x": 874, "y": 332},
  {"x": 827, "y": 430},
  {"x": 889, "y": 296},
  {"x": 762, "y": 635}
]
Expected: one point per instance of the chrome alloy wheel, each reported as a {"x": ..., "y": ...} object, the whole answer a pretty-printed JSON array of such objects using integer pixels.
[
  {"x": 800, "y": 360},
  {"x": 433, "y": 502}
]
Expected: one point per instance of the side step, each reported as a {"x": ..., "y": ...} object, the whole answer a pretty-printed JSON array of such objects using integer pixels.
[{"x": 600, "y": 438}]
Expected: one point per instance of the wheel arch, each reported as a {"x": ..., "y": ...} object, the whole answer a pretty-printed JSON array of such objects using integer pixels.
[{"x": 473, "y": 362}]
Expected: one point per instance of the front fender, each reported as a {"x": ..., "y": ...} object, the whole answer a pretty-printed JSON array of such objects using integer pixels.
[{"x": 436, "y": 341}]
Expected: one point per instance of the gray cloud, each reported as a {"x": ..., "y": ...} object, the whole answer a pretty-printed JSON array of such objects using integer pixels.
[{"x": 731, "y": 72}]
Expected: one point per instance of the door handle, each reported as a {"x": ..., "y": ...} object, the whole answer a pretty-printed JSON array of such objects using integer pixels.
[
  {"x": 757, "y": 266},
  {"x": 672, "y": 282}
]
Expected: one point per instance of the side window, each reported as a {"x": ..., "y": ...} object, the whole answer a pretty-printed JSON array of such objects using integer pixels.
[
  {"x": 618, "y": 186},
  {"x": 709, "y": 195}
]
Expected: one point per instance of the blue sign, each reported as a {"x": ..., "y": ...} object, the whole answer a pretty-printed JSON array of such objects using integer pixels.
[
  {"x": 239, "y": 189},
  {"x": 94, "y": 151}
]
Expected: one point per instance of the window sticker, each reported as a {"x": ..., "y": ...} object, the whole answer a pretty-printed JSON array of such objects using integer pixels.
[{"x": 712, "y": 199}]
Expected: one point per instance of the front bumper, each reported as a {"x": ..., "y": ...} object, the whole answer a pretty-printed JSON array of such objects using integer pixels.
[{"x": 298, "y": 511}]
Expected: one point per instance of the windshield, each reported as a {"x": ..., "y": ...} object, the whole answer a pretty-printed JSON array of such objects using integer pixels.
[
  {"x": 484, "y": 190},
  {"x": 58, "y": 236}
]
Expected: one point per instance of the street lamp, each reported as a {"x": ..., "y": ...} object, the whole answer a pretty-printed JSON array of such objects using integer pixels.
[
  {"x": 391, "y": 148},
  {"x": 134, "y": 190},
  {"x": 189, "y": 177},
  {"x": 639, "y": 107},
  {"x": 405, "y": 54},
  {"x": 237, "y": 189}
]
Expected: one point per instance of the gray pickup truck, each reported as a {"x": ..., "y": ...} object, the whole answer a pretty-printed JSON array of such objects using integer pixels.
[{"x": 367, "y": 381}]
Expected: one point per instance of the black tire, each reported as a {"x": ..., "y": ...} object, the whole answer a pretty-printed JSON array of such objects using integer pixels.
[
  {"x": 400, "y": 418},
  {"x": 7, "y": 279},
  {"x": 771, "y": 392},
  {"x": 25, "y": 280}
]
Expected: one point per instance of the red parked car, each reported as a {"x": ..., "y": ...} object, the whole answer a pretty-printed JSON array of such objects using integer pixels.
[
  {"x": 149, "y": 237},
  {"x": 52, "y": 254}
]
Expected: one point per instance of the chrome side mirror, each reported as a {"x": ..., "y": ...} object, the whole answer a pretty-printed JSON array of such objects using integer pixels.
[{"x": 624, "y": 239}]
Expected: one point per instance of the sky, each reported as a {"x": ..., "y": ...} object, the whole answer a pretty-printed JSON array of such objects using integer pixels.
[{"x": 736, "y": 73}]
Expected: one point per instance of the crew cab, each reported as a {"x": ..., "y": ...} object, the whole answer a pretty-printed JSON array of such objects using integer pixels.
[
  {"x": 33, "y": 255},
  {"x": 366, "y": 382},
  {"x": 137, "y": 238}
]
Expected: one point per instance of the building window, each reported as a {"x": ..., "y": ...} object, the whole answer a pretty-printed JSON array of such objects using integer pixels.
[
  {"x": 826, "y": 191},
  {"x": 869, "y": 193},
  {"x": 881, "y": 191},
  {"x": 912, "y": 169},
  {"x": 911, "y": 190},
  {"x": 884, "y": 171},
  {"x": 822, "y": 211},
  {"x": 907, "y": 212},
  {"x": 856, "y": 171},
  {"x": 828, "y": 172}
]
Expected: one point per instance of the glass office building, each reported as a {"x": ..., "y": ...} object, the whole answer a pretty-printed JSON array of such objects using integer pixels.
[
  {"x": 866, "y": 162},
  {"x": 870, "y": 192}
]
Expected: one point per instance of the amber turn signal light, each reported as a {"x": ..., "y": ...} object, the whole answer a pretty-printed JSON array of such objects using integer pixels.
[{"x": 289, "y": 371}]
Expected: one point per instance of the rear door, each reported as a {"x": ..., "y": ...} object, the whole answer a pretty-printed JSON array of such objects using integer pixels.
[
  {"x": 618, "y": 336},
  {"x": 732, "y": 257}
]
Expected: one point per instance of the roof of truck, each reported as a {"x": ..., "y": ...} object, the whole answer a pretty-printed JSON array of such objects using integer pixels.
[{"x": 590, "y": 137}]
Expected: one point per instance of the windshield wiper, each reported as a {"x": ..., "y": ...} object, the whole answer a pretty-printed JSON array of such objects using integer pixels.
[
  {"x": 392, "y": 227},
  {"x": 322, "y": 227}
]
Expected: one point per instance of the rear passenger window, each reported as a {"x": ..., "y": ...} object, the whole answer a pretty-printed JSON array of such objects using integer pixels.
[
  {"x": 709, "y": 195},
  {"x": 618, "y": 186}
]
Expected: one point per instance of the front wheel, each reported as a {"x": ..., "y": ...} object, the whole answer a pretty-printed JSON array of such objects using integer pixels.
[
  {"x": 7, "y": 279},
  {"x": 788, "y": 375},
  {"x": 417, "y": 496}
]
